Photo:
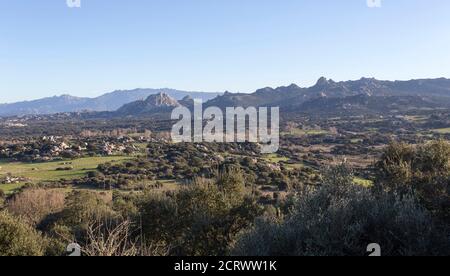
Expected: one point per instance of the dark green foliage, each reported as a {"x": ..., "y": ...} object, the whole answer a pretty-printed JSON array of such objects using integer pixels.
[
  {"x": 340, "y": 218},
  {"x": 81, "y": 210},
  {"x": 202, "y": 219},
  {"x": 18, "y": 238},
  {"x": 423, "y": 171}
]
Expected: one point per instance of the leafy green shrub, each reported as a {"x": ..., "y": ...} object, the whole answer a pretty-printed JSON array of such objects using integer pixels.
[
  {"x": 17, "y": 238},
  {"x": 341, "y": 218},
  {"x": 203, "y": 218},
  {"x": 423, "y": 171},
  {"x": 394, "y": 170},
  {"x": 2, "y": 199},
  {"x": 82, "y": 208}
]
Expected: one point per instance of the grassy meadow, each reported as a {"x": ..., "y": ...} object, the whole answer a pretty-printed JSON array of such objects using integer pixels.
[{"x": 48, "y": 171}]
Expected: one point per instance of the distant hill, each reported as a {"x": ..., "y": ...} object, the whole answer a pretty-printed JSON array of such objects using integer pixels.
[
  {"x": 326, "y": 96},
  {"x": 364, "y": 95},
  {"x": 294, "y": 96},
  {"x": 157, "y": 103},
  {"x": 365, "y": 104},
  {"x": 107, "y": 102}
]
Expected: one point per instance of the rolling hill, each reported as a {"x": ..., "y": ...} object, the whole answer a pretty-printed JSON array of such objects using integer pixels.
[
  {"x": 366, "y": 95},
  {"x": 107, "y": 102}
]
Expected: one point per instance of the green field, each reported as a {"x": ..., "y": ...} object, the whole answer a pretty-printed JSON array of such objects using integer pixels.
[
  {"x": 416, "y": 118},
  {"x": 297, "y": 166},
  {"x": 275, "y": 158},
  {"x": 362, "y": 182},
  {"x": 10, "y": 188},
  {"x": 303, "y": 132},
  {"x": 442, "y": 130},
  {"x": 47, "y": 171},
  {"x": 141, "y": 146}
]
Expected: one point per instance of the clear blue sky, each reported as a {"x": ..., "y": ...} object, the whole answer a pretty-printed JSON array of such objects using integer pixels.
[{"x": 48, "y": 49}]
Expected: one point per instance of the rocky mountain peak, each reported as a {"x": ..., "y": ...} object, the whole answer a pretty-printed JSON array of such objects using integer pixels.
[
  {"x": 161, "y": 100},
  {"x": 322, "y": 82}
]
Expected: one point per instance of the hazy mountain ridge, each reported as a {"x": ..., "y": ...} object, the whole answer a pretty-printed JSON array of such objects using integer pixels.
[
  {"x": 107, "y": 102},
  {"x": 360, "y": 96},
  {"x": 294, "y": 96},
  {"x": 366, "y": 95}
]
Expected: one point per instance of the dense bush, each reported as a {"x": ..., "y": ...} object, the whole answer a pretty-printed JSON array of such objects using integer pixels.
[
  {"x": 340, "y": 218},
  {"x": 2, "y": 199},
  {"x": 18, "y": 238},
  {"x": 203, "y": 218},
  {"x": 423, "y": 171},
  {"x": 82, "y": 209}
]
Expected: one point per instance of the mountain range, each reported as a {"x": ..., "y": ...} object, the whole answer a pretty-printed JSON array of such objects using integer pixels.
[
  {"x": 293, "y": 97},
  {"x": 107, "y": 102},
  {"x": 366, "y": 95}
]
